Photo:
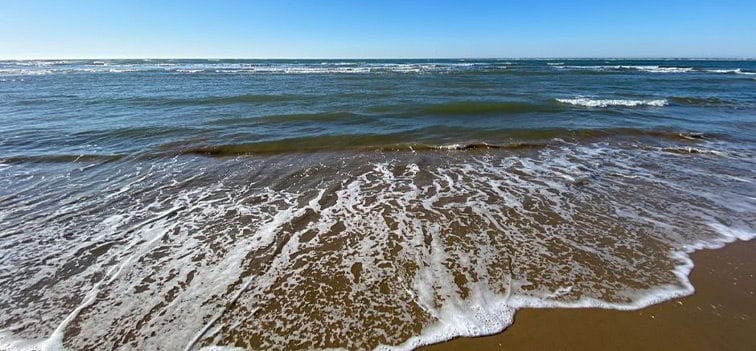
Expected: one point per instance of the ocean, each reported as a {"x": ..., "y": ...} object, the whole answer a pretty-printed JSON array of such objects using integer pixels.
[{"x": 357, "y": 204}]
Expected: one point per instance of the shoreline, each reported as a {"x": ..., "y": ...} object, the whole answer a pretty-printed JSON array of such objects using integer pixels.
[{"x": 720, "y": 314}]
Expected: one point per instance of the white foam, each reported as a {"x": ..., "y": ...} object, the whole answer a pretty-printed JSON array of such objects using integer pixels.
[
  {"x": 653, "y": 69},
  {"x": 34, "y": 68},
  {"x": 497, "y": 312},
  {"x": 658, "y": 69},
  {"x": 450, "y": 147},
  {"x": 10, "y": 342},
  {"x": 587, "y": 102},
  {"x": 729, "y": 71},
  {"x": 641, "y": 68},
  {"x": 480, "y": 218}
]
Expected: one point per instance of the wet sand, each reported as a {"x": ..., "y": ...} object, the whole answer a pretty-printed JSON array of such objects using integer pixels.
[{"x": 721, "y": 315}]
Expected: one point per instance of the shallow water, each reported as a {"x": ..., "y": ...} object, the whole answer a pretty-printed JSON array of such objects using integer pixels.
[{"x": 357, "y": 204}]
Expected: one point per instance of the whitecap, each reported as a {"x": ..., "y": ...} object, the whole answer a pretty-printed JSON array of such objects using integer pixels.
[{"x": 587, "y": 102}]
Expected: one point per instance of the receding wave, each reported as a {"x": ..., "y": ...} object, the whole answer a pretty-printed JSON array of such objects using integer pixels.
[
  {"x": 355, "y": 253},
  {"x": 587, "y": 102}
]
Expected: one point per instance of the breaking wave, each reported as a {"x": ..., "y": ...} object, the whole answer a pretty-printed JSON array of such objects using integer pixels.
[{"x": 588, "y": 102}]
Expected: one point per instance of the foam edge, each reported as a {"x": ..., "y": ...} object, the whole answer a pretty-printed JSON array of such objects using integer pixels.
[{"x": 508, "y": 305}]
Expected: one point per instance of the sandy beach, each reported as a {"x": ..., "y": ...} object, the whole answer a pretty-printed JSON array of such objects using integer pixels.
[{"x": 719, "y": 316}]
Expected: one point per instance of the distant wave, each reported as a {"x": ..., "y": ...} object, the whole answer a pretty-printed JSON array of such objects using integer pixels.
[
  {"x": 335, "y": 67},
  {"x": 730, "y": 71},
  {"x": 658, "y": 69},
  {"x": 587, "y": 102},
  {"x": 17, "y": 68},
  {"x": 642, "y": 68},
  {"x": 651, "y": 69}
]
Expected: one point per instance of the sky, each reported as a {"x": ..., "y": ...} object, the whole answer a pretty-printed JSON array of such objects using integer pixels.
[{"x": 47, "y": 29}]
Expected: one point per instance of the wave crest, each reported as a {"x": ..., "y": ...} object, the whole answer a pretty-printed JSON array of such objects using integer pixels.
[{"x": 587, "y": 102}]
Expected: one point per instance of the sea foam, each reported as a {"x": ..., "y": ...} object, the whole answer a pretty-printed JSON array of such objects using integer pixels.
[
  {"x": 730, "y": 71},
  {"x": 499, "y": 311},
  {"x": 588, "y": 102},
  {"x": 365, "y": 251}
]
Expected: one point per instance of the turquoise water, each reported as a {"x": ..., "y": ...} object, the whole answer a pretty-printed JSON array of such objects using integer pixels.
[{"x": 188, "y": 204}]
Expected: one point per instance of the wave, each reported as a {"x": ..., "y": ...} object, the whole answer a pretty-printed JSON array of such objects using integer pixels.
[
  {"x": 676, "y": 100},
  {"x": 194, "y": 67},
  {"x": 641, "y": 68},
  {"x": 515, "y": 139},
  {"x": 652, "y": 69},
  {"x": 730, "y": 71},
  {"x": 462, "y": 108},
  {"x": 658, "y": 69},
  {"x": 171, "y": 142},
  {"x": 587, "y": 102},
  {"x": 258, "y": 68}
]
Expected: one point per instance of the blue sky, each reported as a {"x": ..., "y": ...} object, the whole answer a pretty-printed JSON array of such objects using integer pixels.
[{"x": 378, "y": 29}]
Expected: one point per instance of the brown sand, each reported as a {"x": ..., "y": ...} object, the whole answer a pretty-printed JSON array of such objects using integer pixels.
[{"x": 721, "y": 315}]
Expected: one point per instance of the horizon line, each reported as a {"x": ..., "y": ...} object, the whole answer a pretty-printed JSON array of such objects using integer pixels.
[{"x": 393, "y": 58}]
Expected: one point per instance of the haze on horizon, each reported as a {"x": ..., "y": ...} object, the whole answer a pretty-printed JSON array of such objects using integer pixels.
[{"x": 46, "y": 29}]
